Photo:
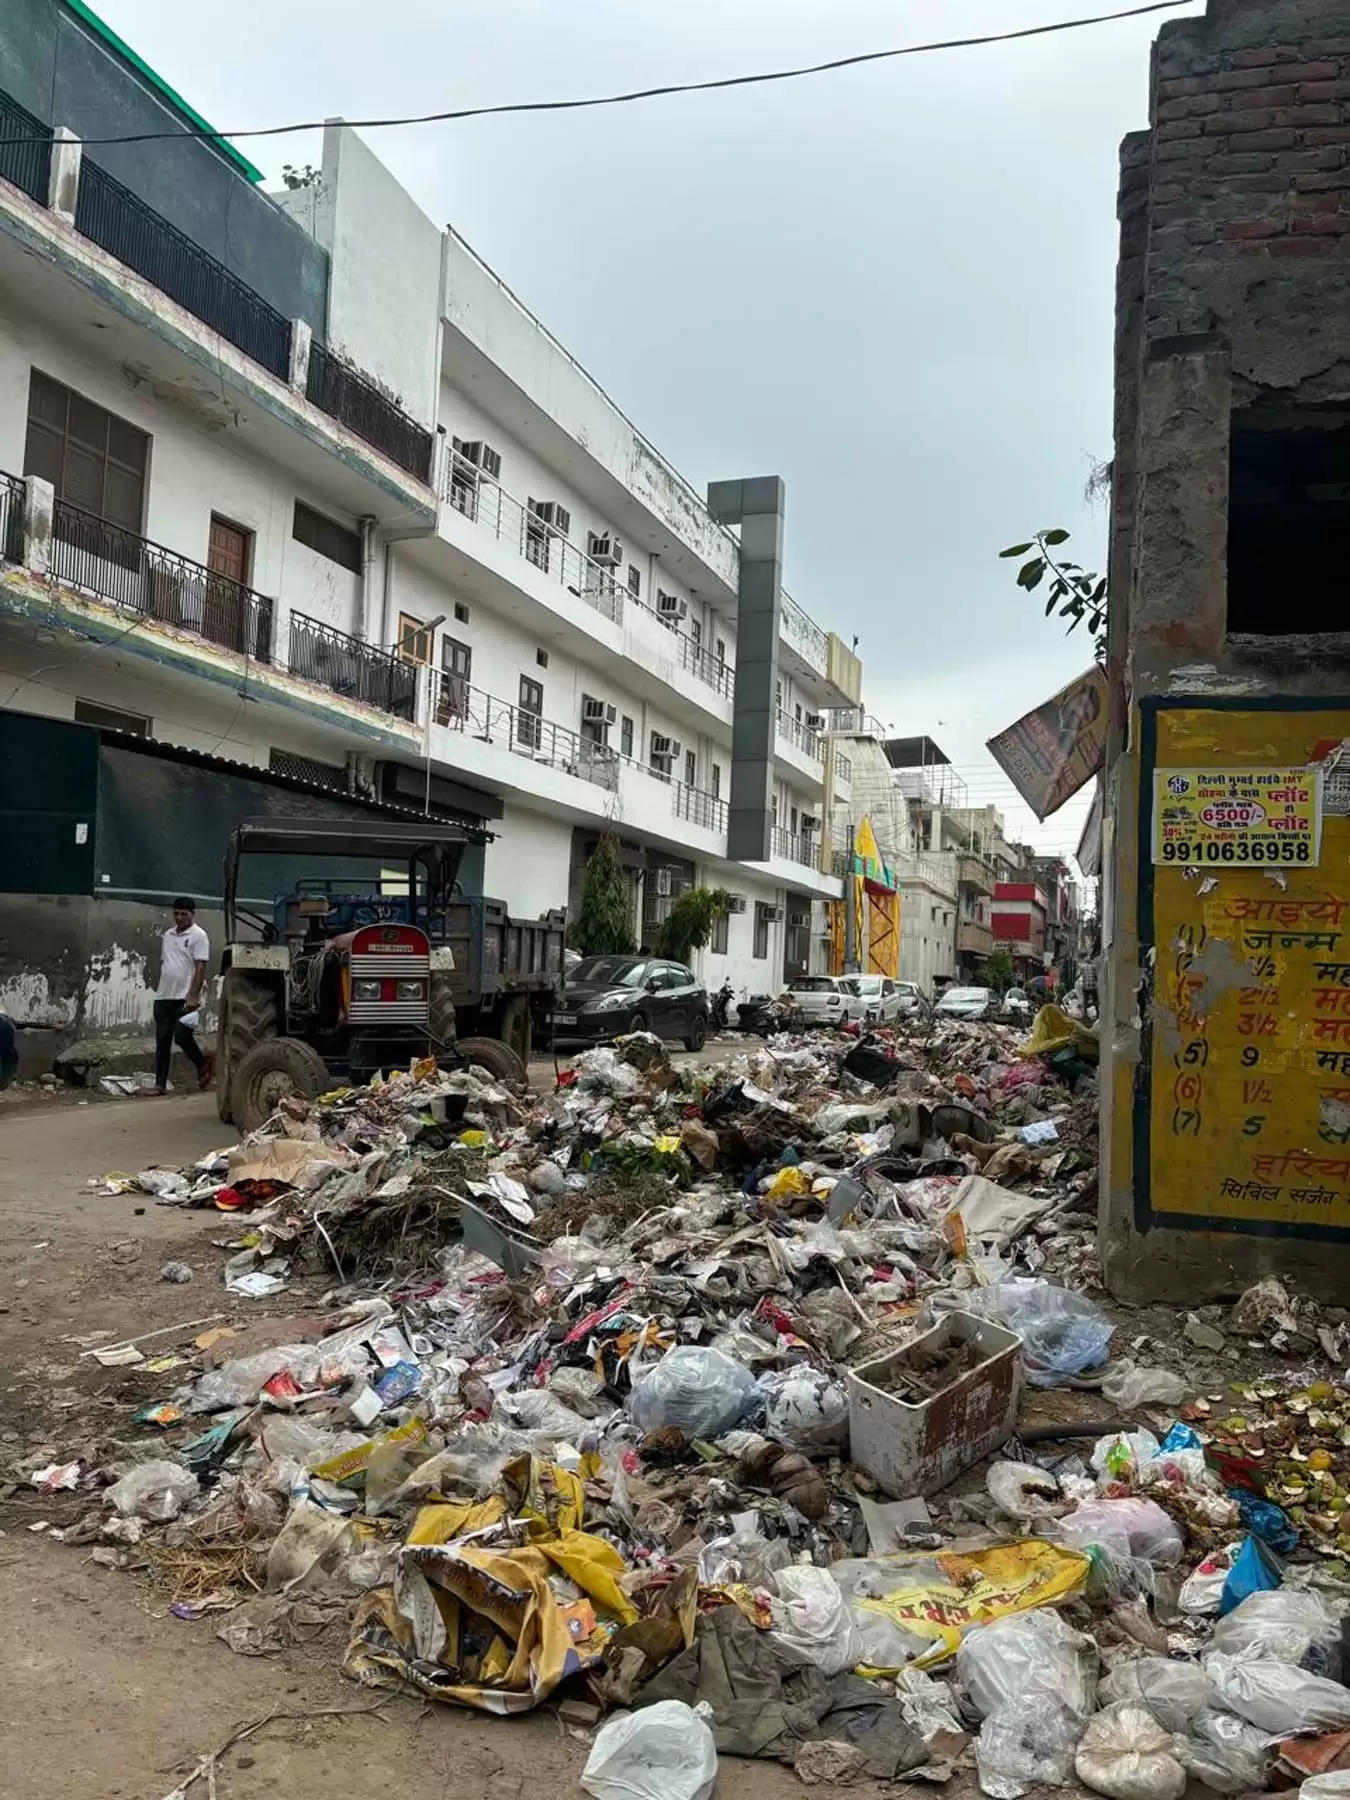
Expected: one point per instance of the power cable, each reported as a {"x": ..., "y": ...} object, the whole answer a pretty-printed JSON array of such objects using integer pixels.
[{"x": 634, "y": 94}]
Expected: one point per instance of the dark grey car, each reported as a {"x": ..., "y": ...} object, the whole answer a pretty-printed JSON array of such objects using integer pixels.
[{"x": 606, "y": 996}]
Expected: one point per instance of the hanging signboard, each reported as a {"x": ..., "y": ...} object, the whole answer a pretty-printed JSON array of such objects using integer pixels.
[{"x": 1049, "y": 753}]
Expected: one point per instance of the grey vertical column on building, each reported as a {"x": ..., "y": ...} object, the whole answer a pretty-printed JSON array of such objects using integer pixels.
[{"x": 757, "y": 507}]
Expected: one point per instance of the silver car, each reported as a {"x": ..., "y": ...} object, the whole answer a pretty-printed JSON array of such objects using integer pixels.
[
  {"x": 967, "y": 1003},
  {"x": 824, "y": 999},
  {"x": 876, "y": 998}
]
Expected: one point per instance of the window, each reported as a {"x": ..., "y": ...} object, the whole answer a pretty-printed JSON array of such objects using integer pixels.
[
  {"x": 111, "y": 718},
  {"x": 529, "y": 722},
  {"x": 793, "y": 816},
  {"x": 696, "y": 632},
  {"x": 536, "y": 536},
  {"x": 541, "y": 657},
  {"x": 797, "y": 711},
  {"x": 326, "y": 537},
  {"x": 461, "y": 613},
  {"x": 690, "y": 769},
  {"x": 763, "y": 920},
  {"x": 456, "y": 673},
  {"x": 626, "y": 736},
  {"x": 93, "y": 459},
  {"x": 717, "y": 943},
  {"x": 1288, "y": 528},
  {"x": 634, "y": 580},
  {"x": 717, "y": 781},
  {"x": 414, "y": 639},
  {"x": 596, "y": 718},
  {"x": 722, "y": 651},
  {"x": 663, "y": 752}
]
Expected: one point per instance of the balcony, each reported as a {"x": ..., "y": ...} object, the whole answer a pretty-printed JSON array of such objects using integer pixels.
[
  {"x": 974, "y": 939},
  {"x": 462, "y": 707},
  {"x": 110, "y": 563},
  {"x": 352, "y": 668},
  {"x": 11, "y": 516},
  {"x": 804, "y": 636},
  {"x": 975, "y": 873},
  {"x": 700, "y": 808},
  {"x": 793, "y": 846},
  {"x": 26, "y": 152},
  {"x": 341, "y": 391},
  {"x": 795, "y": 732}
]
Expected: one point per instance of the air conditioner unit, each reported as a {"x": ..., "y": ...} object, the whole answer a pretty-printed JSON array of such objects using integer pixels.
[
  {"x": 670, "y": 606},
  {"x": 735, "y": 903},
  {"x": 774, "y": 914},
  {"x": 554, "y": 513},
  {"x": 676, "y": 747},
  {"x": 815, "y": 721},
  {"x": 603, "y": 547},
  {"x": 663, "y": 883},
  {"x": 593, "y": 710},
  {"x": 810, "y": 825},
  {"x": 610, "y": 715},
  {"x": 664, "y": 746},
  {"x": 481, "y": 455}
]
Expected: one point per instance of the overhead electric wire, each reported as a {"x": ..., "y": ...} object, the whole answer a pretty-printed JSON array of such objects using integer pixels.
[{"x": 452, "y": 115}]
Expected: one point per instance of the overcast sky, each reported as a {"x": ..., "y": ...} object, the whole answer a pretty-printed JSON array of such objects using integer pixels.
[{"x": 891, "y": 285}]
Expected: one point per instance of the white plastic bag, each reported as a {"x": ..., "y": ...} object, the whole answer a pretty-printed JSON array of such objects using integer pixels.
[
  {"x": 1279, "y": 1625},
  {"x": 1226, "y": 1753},
  {"x": 811, "y": 1616},
  {"x": 1334, "y": 1786},
  {"x": 806, "y": 1408},
  {"x": 155, "y": 1490},
  {"x": 1126, "y": 1754},
  {"x": 1174, "y": 1692},
  {"x": 1033, "y": 1679},
  {"x": 662, "y": 1752},
  {"x": 1148, "y": 1532},
  {"x": 1128, "y": 1385},
  {"x": 1202, "y": 1591},
  {"x": 1277, "y": 1696},
  {"x": 700, "y": 1392}
]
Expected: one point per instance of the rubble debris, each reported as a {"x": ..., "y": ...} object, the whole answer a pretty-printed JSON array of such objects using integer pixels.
[{"x": 744, "y": 1395}]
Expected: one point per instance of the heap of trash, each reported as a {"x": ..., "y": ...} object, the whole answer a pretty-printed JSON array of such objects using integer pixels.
[{"x": 770, "y": 1406}]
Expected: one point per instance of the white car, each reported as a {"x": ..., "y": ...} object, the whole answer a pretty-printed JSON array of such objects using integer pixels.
[
  {"x": 967, "y": 1003},
  {"x": 877, "y": 999},
  {"x": 824, "y": 999}
]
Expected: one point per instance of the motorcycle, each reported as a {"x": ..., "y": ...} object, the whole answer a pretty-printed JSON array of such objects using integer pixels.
[
  {"x": 765, "y": 1015},
  {"x": 721, "y": 1001}
]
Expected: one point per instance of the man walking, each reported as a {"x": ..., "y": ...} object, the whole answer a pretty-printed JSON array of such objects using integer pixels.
[{"x": 184, "y": 950}]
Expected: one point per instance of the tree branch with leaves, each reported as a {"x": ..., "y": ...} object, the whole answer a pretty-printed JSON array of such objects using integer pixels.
[{"x": 1077, "y": 594}]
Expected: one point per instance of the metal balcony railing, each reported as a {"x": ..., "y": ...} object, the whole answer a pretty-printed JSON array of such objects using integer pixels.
[
  {"x": 699, "y": 807},
  {"x": 121, "y": 223},
  {"x": 11, "y": 517},
  {"x": 348, "y": 666},
  {"x": 345, "y": 394},
  {"x": 100, "y": 558},
  {"x": 792, "y": 846},
  {"x": 708, "y": 668},
  {"x": 801, "y": 735},
  {"x": 463, "y": 707},
  {"x": 805, "y": 636},
  {"x": 26, "y": 152}
]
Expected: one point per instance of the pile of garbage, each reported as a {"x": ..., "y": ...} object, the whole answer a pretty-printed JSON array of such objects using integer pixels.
[{"x": 674, "y": 1392}]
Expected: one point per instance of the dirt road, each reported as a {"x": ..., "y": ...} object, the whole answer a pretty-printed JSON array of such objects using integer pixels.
[{"x": 107, "y": 1696}]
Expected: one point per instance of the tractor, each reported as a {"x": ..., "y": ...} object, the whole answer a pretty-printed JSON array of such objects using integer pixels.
[{"x": 346, "y": 976}]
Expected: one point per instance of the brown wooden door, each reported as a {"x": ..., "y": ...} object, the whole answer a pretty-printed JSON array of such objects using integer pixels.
[{"x": 229, "y": 554}]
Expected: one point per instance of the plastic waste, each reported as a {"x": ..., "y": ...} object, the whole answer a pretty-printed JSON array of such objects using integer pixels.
[
  {"x": 1202, "y": 1590},
  {"x": 663, "y": 1752},
  {"x": 927, "y": 1704},
  {"x": 156, "y": 1490},
  {"x": 1254, "y": 1571},
  {"x": 1128, "y": 1385},
  {"x": 1063, "y": 1333},
  {"x": 1122, "y": 1454},
  {"x": 806, "y": 1408},
  {"x": 812, "y": 1617},
  {"x": 1174, "y": 1692},
  {"x": 1033, "y": 1680},
  {"x": 1333, "y": 1786},
  {"x": 699, "y": 1392},
  {"x": 1147, "y": 1532},
  {"x": 540, "y": 1412},
  {"x": 1291, "y": 1625},
  {"x": 309, "y": 1545},
  {"x": 237, "y": 1383},
  {"x": 1226, "y": 1753},
  {"x": 1127, "y": 1754},
  {"x": 1277, "y": 1696},
  {"x": 1023, "y": 1491}
]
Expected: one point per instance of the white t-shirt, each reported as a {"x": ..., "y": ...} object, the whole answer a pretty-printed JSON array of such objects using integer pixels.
[{"x": 180, "y": 952}]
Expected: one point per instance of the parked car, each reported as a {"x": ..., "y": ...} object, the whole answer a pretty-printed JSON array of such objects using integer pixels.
[
  {"x": 1017, "y": 1007},
  {"x": 824, "y": 999},
  {"x": 606, "y": 996},
  {"x": 912, "y": 999},
  {"x": 967, "y": 1003},
  {"x": 877, "y": 999}
]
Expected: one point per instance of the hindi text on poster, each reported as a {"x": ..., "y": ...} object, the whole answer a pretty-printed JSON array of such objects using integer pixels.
[{"x": 1237, "y": 818}]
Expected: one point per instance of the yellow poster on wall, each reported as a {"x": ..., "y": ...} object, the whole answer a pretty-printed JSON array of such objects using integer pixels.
[{"x": 1247, "y": 1097}]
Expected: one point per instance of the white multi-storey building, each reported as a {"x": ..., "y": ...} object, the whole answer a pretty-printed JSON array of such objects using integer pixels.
[{"x": 299, "y": 501}]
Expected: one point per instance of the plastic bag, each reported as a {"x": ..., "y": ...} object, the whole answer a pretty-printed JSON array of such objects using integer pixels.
[
  {"x": 156, "y": 1491},
  {"x": 812, "y": 1617},
  {"x": 1282, "y": 1625},
  {"x": 1334, "y": 1786},
  {"x": 806, "y": 1408},
  {"x": 1122, "y": 1454},
  {"x": 1202, "y": 1591},
  {"x": 542, "y": 1414},
  {"x": 1227, "y": 1754},
  {"x": 1254, "y": 1571},
  {"x": 309, "y": 1546},
  {"x": 1128, "y": 1385},
  {"x": 1277, "y": 1696},
  {"x": 663, "y": 1752},
  {"x": 1062, "y": 1332},
  {"x": 700, "y": 1392},
  {"x": 1033, "y": 1680},
  {"x": 1023, "y": 1491},
  {"x": 927, "y": 1704},
  {"x": 1126, "y": 1754},
  {"x": 1174, "y": 1692},
  {"x": 1145, "y": 1529}
]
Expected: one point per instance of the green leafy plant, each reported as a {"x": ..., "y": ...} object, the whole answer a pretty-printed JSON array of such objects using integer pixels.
[
  {"x": 1077, "y": 594},
  {"x": 601, "y": 927},
  {"x": 998, "y": 971},
  {"x": 304, "y": 176},
  {"x": 689, "y": 923}
]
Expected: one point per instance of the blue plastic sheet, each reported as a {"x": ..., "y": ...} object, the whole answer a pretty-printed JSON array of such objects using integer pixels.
[
  {"x": 1254, "y": 1568},
  {"x": 1264, "y": 1520}
]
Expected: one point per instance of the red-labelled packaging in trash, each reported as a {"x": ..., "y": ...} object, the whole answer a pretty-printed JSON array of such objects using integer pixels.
[
  {"x": 567, "y": 1078},
  {"x": 282, "y": 1388},
  {"x": 229, "y": 1199}
]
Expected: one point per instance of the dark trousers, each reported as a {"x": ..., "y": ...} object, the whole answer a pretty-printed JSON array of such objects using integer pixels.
[{"x": 167, "y": 1031}]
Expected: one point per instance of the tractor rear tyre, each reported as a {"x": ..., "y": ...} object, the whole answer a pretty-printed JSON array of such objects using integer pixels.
[
  {"x": 517, "y": 1027},
  {"x": 249, "y": 1014},
  {"x": 441, "y": 1012},
  {"x": 499, "y": 1059},
  {"x": 270, "y": 1073}
]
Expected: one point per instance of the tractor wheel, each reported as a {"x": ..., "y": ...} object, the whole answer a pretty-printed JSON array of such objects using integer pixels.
[
  {"x": 271, "y": 1072},
  {"x": 499, "y": 1059},
  {"x": 441, "y": 1011},
  {"x": 248, "y": 1015},
  {"x": 517, "y": 1028}
]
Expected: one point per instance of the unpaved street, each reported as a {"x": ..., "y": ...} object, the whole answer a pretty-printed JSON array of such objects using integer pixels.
[{"x": 107, "y": 1696}]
